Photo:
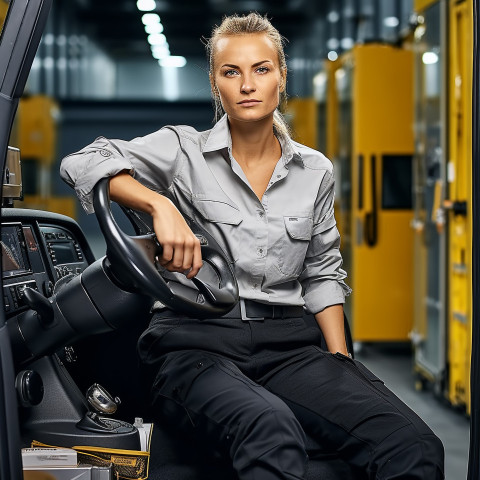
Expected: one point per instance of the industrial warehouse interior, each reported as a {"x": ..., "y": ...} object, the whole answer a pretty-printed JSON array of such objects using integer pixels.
[{"x": 384, "y": 89}]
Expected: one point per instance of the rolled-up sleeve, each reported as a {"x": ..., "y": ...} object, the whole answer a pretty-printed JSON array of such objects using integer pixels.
[
  {"x": 322, "y": 277},
  {"x": 152, "y": 160}
]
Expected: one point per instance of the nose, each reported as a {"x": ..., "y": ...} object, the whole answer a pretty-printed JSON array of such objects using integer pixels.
[{"x": 247, "y": 84}]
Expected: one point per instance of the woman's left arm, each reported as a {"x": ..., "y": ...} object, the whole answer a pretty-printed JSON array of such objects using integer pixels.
[
  {"x": 322, "y": 278},
  {"x": 330, "y": 321}
]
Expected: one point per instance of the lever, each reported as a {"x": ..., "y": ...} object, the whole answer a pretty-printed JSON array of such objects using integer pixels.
[
  {"x": 36, "y": 301},
  {"x": 101, "y": 400}
]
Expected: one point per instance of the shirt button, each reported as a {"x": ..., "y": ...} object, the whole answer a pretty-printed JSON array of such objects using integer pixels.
[
  {"x": 261, "y": 214},
  {"x": 278, "y": 176},
  {"x": 255, "y": 285}
]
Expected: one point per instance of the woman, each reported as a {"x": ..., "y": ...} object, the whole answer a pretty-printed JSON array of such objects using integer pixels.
[{"x": 253, "y": 381}]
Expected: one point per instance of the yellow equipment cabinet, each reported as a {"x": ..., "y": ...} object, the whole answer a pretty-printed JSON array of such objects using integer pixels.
[
  {"x": 374, "y": 98},
  {"x": 429, "y": 331},
  {"x": 36, "y": 133},
  {"x": 459, "y": 202}
]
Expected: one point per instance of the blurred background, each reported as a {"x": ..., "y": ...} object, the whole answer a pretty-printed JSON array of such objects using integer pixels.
[{"x": 382, "y": 87}]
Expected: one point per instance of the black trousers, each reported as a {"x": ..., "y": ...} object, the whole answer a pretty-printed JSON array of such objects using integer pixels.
[{"x": 250, "y": 389}]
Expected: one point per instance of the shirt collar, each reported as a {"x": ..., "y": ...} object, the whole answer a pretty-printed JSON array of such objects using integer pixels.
[{"x": 219, "y": 138}]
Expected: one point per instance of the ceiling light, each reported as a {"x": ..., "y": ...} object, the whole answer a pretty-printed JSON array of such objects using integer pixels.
[
  {"x": 146, "y": 5},
  {"x": 333, "y": 17},
  {"x": 154, "y": 28},
  {"x": 157, "y": 39},
  {"x": 347, "y": 43},
  {"x": 428, "y": 58},
  {"x": 172, "y": 62},
  {"x": 332, "y": 55},
  {"x": 149, "y": 18},
  {"x": 160, "y": 51},
  {"x": 391, "y": 22},
  {"x": 333, "y": 43}
]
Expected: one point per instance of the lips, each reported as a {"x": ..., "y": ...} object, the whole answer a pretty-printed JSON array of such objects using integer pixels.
[{"x": 248, "y": 102}]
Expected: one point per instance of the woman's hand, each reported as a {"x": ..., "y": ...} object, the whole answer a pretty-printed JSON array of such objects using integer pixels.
[{"x": 181, "y": 248}]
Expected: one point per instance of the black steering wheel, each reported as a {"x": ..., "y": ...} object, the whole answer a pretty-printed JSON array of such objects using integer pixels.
[{"x": 134, "y": 263}]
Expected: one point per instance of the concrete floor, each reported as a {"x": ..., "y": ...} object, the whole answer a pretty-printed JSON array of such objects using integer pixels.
[{"x": 393, "y": 364}]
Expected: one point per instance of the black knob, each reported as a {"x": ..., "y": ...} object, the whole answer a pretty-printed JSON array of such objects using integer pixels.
[
  {"x": 36, "y": 301},
  {"x": 29, "y": 387}
]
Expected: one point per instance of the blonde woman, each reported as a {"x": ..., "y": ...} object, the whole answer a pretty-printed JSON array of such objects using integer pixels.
[{"x": 252, "y": 382}]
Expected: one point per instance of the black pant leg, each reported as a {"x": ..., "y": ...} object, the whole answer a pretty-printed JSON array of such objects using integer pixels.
[
  {"x": 349, "y": 410},
  {"x": 207, "y": 395}
]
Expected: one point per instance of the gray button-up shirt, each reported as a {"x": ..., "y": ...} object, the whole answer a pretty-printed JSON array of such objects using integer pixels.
[{"x": 285, "y": 246}]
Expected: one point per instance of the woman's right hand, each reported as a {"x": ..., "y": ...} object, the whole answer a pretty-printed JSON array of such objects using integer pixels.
[{"x": 181, "y": 248}]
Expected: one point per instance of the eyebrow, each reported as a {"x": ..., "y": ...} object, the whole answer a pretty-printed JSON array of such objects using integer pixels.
[{"x": 254, "y": 65}]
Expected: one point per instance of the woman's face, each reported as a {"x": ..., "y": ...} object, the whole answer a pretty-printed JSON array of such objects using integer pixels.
[{"x": 247, "y": 76}]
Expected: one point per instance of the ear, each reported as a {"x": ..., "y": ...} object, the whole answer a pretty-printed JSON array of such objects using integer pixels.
[{"x": 283, "y": 79}]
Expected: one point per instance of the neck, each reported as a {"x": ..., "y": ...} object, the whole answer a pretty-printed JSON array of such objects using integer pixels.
[{"x": 252, "y": 141}]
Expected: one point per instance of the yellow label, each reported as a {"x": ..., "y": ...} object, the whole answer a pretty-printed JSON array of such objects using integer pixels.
[{"x": 125, "y": 461}]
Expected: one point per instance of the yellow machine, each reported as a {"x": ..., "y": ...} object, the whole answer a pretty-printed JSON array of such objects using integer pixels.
[
  {"x": 459, "y": 202},
  {"x": 302, "y": 117},
  {"x": 373, "y": 103},
  {"x": 35, "y": 133}
]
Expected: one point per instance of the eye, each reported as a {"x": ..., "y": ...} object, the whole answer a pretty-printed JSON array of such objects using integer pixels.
[
  {"x": 230, "y": 73},
  {"x": 262, "y": 70}
]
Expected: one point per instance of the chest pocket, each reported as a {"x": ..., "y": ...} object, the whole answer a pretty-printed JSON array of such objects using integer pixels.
[
  {"x": 293, "y": 246},
  {"x": 222, "y": 220}
]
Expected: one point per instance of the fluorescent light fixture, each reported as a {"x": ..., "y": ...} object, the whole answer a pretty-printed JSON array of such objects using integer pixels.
[
  {"x": 391, "y": 22},
  {"x": 157, "y": 39},
  {"x": 154, "y": 28},
  {"x": 428, "y": 58},
  {"x": 160, "y": 51},
  {"x": 173, "y": 61},
  {"x": 149, "y": 18},
  {"x": 146, "y": 5}
]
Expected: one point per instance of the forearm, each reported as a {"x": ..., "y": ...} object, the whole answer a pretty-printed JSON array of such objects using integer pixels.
[
  {"x": 127, "y": 191},
  {"x": 331, "y": 322}
]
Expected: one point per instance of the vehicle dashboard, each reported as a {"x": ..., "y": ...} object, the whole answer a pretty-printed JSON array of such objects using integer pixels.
[{"x": 40, "y": 250}]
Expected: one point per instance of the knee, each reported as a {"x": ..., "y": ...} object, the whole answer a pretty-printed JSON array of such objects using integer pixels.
[
  {"x": 434, "y": 453},
  {"x": 414, "y": 454}
]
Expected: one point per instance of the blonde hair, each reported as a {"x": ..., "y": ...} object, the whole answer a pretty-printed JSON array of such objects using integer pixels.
[{"x": 244, "y": 25}]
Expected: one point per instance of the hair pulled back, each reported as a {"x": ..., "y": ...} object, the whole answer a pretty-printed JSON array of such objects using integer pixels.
[{"x": 244, "y": 25}]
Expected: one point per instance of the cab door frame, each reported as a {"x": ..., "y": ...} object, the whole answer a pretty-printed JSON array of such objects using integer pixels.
[
  {"x": 21, "y": 35},
  {"x": 474, "y": 457}
]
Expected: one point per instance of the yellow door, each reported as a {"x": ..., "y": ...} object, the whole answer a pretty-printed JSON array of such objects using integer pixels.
[{"x": 459, "y": 203}]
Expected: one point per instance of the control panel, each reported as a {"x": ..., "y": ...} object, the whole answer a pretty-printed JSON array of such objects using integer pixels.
[
  {"x": 64, "y": 251},
  {"x": 37, "y": 254}
]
